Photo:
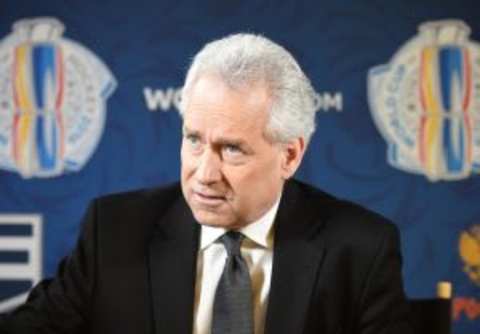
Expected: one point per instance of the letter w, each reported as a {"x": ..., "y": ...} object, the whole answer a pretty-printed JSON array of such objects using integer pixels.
[{"x": 159, "y": 99}]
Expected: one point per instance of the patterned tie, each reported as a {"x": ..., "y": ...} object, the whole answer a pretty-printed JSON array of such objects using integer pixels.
[{"x": 232, "y": 309}]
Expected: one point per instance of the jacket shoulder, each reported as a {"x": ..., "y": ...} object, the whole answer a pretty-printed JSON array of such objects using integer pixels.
[
  {"x": 342, "y": 217},
  {"x": 140, "y": 207},
  {"x": 162, "y": 197}
]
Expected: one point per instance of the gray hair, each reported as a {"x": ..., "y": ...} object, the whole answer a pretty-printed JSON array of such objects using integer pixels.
[{"x": 241, "y": 59}]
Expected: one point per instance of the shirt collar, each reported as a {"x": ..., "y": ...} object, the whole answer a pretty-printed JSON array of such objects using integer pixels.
[{"x": 260, "y": 231}]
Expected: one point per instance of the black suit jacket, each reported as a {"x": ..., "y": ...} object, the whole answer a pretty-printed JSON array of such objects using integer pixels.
[{"x": 336, "y": 269}]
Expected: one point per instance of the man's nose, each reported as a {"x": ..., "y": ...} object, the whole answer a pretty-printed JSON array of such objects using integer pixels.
[{"x": 209, "y": 168}]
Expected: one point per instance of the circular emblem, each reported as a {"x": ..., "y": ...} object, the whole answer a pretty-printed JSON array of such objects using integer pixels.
[
  {"x": 426, "y": 102},
  {"x": 53, "y": 93}
]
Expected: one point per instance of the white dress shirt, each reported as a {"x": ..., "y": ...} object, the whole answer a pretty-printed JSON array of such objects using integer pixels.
[{"x": 256, "y": 249}]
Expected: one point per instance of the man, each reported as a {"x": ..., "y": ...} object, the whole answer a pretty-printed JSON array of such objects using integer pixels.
[{"x": 238, "y": 247}]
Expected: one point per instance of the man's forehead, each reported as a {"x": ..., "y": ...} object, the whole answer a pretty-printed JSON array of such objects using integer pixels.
[
  {"x": 217, "y": 134},
  {"x": 216, "y": 110},
  {"x": 218, "y": 137},
  {"x": 223, "y": 118},
  {"x": 214, "y": 88}
]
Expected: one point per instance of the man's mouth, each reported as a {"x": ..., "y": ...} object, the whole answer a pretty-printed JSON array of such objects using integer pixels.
[{"x": 208, "y": 199}]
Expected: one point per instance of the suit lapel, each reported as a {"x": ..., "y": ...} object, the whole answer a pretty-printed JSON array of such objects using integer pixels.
[
  {"x": 298, "y": 255},
  {"x": 296, "y": 264},
  {"x": 172, "y": 264}
]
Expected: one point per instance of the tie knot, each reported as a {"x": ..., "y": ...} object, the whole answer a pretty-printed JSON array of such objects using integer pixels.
[{"x": 232, "y": 241}]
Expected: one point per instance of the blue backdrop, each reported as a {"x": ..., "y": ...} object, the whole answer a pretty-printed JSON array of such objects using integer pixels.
[{"x": 146, "y": 46}]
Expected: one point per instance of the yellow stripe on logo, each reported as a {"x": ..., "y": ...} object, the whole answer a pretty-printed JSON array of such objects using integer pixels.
[
  {"x": 22, "y": 82},
  {"x": 433, "y": 123}
]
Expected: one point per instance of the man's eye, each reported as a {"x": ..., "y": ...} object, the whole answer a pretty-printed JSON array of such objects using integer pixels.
[
  {"x": 232, "y": 149},
  {"x": 193, "y": 140}
]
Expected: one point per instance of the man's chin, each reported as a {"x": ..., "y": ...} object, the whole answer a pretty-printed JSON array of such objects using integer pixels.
[{"x": 213, "y": 219}]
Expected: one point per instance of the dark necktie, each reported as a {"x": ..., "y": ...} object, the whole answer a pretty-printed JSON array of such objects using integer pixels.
[{"x": 232, "y": 309}]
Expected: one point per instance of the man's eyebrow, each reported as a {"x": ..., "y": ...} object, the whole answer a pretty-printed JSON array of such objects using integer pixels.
[
  {"x": 220, "y": 140},
  {"x": 230, "y": 141},
  {"x": 186, "y": 130}
]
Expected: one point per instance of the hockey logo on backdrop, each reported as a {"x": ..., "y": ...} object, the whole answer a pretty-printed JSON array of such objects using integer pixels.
[
  {"x": 53, "y": 93},
  {"x": 469, "y": 248},
  {"x": 20, "y": 258},
  {"x": 426, "y": 102},
  {"x": 469, "y": 251}
]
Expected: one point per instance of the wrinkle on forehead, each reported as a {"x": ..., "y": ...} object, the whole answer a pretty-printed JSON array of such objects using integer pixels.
[{"x": 215, "y": 104}]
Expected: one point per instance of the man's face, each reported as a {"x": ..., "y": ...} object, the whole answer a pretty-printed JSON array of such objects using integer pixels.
[{"x": 231, "y": 173}]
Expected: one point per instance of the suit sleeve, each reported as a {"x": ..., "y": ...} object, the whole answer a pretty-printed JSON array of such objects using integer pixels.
[
  {"x": 61, "y": 304},
  {"x": 384, "y": 309}
]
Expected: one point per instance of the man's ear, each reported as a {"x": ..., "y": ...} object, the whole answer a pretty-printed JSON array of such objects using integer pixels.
[{"x": 292, "y": 156}]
